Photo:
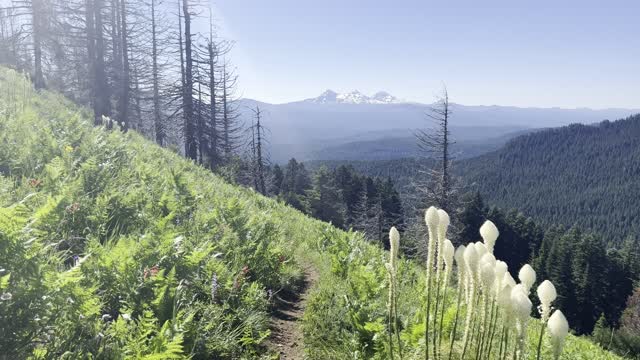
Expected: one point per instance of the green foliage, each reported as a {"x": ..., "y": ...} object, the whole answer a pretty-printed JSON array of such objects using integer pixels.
[
  {"x": 580, "y": 175},
  {"x": 343, "y": 197},
  {"x": 113, "y": 248}
]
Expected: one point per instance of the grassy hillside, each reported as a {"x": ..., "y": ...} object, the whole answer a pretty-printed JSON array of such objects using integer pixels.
[{"x": 113, "y": 248}]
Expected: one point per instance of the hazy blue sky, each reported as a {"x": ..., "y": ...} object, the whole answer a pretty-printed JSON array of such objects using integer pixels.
[{"x": 577, "y": 53}]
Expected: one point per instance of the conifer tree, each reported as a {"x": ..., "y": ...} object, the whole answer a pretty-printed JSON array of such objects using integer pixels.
[{"x": 324, "y": 200}]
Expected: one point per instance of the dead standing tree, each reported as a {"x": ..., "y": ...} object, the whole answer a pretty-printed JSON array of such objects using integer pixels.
[
  {"x": 257, "y": 152},
  {"x": 435, "y": 144}
]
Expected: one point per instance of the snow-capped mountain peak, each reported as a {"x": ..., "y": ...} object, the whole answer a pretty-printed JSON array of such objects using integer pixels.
[
  {"x": 329, "y": 96},
  {"x": 354, "y": 97},
  {"x": 383, "y": 97}
]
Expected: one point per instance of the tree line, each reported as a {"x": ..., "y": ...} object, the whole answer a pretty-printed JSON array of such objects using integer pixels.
[{"x": 341, "y": 196}]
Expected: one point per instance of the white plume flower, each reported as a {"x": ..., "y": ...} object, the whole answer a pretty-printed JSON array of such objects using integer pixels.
[
  {"x": 504, "y": 300},
  {"x": 501, "y": 269},
  {"x": 547, "y": 294},
  {"x": 459, "y": 257},
  {"x": 443, "y": 222},
  {"x": 447, "y": 253},
  {"x": 432, "y": 218},
  {"x": 521, "y": 308},
  {"x": 488, "y": 258},
  {"x": 471, "y": 259},
  {"x": 508, "y": 280},
  {"x": 489, "y": 233},
  {"x": 394, "y": 245},
  {"x": 481, "y": 249},
  {"x": 487, "y": 275},
  {"x": 527, "y": 277},
  {"x": 558, "y": 329},
  {"x": 520, "y": 288}
]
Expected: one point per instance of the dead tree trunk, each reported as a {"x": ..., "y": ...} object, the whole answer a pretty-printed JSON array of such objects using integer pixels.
[
  {"x": 37, "y": 29},
  {"x": 191, "y": 147},
  {"x": 157, "y": 118},
  {"x": 123, "y": 106}
]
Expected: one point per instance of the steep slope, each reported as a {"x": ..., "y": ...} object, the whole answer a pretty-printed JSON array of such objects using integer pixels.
[
  {"x": 113, "y": 248},
  {"x": 587, "y": 175}
]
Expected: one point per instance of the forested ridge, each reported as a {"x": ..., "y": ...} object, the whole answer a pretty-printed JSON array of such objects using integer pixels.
[{"x": 584, "y": 175}]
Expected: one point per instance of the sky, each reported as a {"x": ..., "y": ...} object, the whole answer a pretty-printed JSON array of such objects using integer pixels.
[{"x": 562, "y": 53}]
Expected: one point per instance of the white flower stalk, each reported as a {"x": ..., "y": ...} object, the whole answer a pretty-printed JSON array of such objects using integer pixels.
[
  {"x": 506, "y": 307},
  {"x": 527, "y": 277},
  {"x": 489, "y": 233},
  {"x": 447, "y": 255},
  {"x": 471, "y": 266},
  {"x": 521, "y": 306},
  {"x": 558, "y": 329},
  {"x": 504, "y": 302},
  {"x": 487, "y": 276},
  {"x": 392, "y": 268},
  {"x": 500, "y": 270},
  {"x": 443, "y": 224},
  {"x": 471, "y": 259},
  {"x": 448, "y": 252},
  {"x": 547, "y": 294},
  {"x": 394, "y": 245},
  {"x": 459, "y": 259},
  {"x": 432, "y": 219}
]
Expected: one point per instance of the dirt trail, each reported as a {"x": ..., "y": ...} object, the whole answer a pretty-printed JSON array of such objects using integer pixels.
[{"x": 286, "y": 322}]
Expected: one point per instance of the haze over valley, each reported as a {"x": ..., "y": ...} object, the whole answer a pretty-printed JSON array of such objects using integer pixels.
[{"x": 355, "y": 126}]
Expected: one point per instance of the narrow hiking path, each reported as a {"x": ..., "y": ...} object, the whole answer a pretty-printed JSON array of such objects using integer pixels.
[{"x": 286, "y": 322}]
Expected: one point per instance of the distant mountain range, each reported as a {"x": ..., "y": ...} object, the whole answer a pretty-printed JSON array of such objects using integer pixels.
[
  {"x": 321, "y": 127},
  {"x": 354, "y": 97}
]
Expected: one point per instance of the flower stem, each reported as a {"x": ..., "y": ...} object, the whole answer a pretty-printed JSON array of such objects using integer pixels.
[
  {"x": 455, "y": 322},
  {"x": 395, "y": 310},
  {"x": 540, "y": 339},
  {"x": 494, "y": 323}
]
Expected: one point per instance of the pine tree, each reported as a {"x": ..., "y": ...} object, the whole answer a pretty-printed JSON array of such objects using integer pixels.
[
  {"x": 324, "y": 200},
  {"x": 277, "y": 177}
]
